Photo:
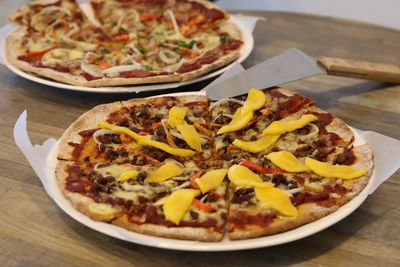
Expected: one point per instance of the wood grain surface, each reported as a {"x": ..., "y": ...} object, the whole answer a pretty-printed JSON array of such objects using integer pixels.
[{"x": 35, "y": 232}]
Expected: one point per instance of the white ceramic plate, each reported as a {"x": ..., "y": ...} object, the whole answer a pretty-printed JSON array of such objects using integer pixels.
[
  {"x": 244, "y": 53},
  {"x": 225, "y": 244}
]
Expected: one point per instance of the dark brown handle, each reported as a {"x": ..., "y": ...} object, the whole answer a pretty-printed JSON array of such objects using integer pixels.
[{"x": 361, "y": 69}]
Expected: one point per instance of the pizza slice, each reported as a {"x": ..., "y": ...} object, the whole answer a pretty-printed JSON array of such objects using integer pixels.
[{"x": 293, "y": 192}]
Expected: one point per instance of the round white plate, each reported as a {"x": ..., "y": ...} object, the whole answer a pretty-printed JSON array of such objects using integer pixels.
[
  {"x": 223, "y": 245},
  {"x": 244, "y": 53}
]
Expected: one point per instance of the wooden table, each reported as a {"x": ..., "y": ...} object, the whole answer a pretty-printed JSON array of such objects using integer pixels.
[{"x": 35, "y": 232}]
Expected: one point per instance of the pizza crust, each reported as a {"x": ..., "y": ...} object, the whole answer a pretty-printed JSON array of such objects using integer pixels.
[
  {"x": 222, "y": 61},
  {"x": 337, "y": 126},
  {"x": 186, "y": 233},
  {"x": 88, "y": 120}
]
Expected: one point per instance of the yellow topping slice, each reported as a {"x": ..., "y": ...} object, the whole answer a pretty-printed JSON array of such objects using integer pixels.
[
  {"x": 167, "y": 171},
  {"x": 263, "y": 143},
  {"x": 109, "y": 126},
  {"x": 127, "y": 175},
  {"x": 144, "y": 140},
  {"x": 211, "y": 180},
  {"x": 284, "y": 126},
  {"x": 190, "y": 135},
  {"x": 238, "y": 122},
  {"x": 178, "y": 203},
  {"x": 255, "y": 100},
  {"x": 287, "y": 161},
  {"x": 334, "y": 171},
  {"x": 176, "y": 116},
  {"x": 242, "y": 176},
  {"x": 167, "y": 148},
  {"x": 243, "y": 115},
  {"x": 276, "y": 199},
  {"x": 176, "y": 119}
]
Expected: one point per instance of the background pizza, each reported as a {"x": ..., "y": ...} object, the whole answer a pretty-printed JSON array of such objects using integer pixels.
[
  {"x": 135, "y": 42},
  {"x": 188, "y": 168}
]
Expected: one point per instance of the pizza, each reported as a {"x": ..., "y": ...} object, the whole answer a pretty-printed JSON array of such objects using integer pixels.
[
  {"x": 189, "y": 168},
  {"x": 127, "y": 41}
]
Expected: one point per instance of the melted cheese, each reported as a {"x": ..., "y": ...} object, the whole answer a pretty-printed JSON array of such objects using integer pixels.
[{"x": 59, "y": 55}]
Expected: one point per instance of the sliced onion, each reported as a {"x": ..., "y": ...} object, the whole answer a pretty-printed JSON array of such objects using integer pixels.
[
  {"x": 178, "y": 135},
  {"x": 160, "y": 189},
  {"x": 174, "y": 67},
  {"x": 185, "y": 184},
  {"x": 90, "y": 68},
  {"x": 43, "y": 2},
  {"x": 223, "y": 101},
  {"x": 45, "y": 11},
  {"x": 294, "y": 190},
  {"x": 102, "y": 132},
  {"x": 168, "y": 56},
  {"x": 223, "y": 115},
  {"x": 174, "y": 23},
  {"x": 126, "y": 16},
  {"x": 132, "y": 187},
  {"x": 74, "y": 29},
  {"x": 122, "y": 68},
  {"x": 314, "y": 131}
]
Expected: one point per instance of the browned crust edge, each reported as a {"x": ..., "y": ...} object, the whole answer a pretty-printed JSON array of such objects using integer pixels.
[
  {"x": 186, "y": 233},
  {"x": 88, "y": 120}
]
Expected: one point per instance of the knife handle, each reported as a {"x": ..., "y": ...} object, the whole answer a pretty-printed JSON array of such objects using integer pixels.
[{"x": 361, "y": 69}]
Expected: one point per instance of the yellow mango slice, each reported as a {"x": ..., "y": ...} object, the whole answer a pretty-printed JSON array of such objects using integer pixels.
[
  {"x": 287, "y": 161},
  {"x": 211, "y": 180},
  {"x": 176, "y": 119},
  {"x": 242, "y": 176},
  {"x": 167, "y": 171},
  {"x": 334, "y": 171},
  {"x": 259, "y": 145},
  {"x": 178, "y": 203},
  {"x": 276, "y": 199},
  {"x": 190, "y": 135},
  {"x": 176, "y": 116},
  {"x": 127, "y": 175},
  {"x": 255, "y": 100},
  {"x": 144, "y": 140},
  {"x": 124, "y": 130},
  {"x": 283, "y": 126},
  {"x": 238, "y": 122}
]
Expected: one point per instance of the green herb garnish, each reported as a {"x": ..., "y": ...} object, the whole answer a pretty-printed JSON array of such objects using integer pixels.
[
  {"x": 189, "y": 45},
  {"x": 223, "y": 39}
]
